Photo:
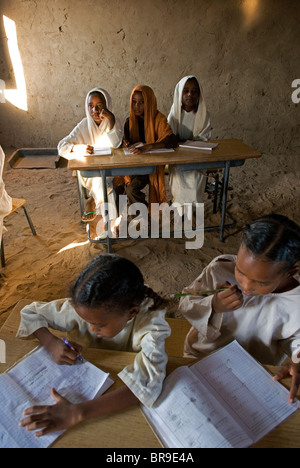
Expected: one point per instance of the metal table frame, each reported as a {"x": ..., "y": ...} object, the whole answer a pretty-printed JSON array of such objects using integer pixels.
[{"x": 225, "y": 165}]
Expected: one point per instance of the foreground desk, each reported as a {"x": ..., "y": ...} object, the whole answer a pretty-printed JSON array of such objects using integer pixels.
[
  {"x": 129, "y": 428},
  {"x": 229, "y": 153}
]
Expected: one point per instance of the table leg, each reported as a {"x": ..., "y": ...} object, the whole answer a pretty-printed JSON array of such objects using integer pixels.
[
  {"x": 224, "y": 198},
  {"x": 106, "y": 211}
]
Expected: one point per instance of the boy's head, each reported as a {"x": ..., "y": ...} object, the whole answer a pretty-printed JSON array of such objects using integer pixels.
[{"x": 267, "y": 258}]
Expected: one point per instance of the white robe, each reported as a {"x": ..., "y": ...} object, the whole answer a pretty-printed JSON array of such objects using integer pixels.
[
  {"x": 145, "y": 335},
  {"x": 87, "y": 132},
  {"x": 5, "y": 199},
  {"x": 188, "y": 186},
  {"x": 267, "y": 326}
]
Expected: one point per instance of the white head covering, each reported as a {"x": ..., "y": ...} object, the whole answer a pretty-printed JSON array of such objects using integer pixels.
[
  {"x": 96, "y": 132},
  {"x": 201, "y": 128},
  {"x": 5, "y": 200}
]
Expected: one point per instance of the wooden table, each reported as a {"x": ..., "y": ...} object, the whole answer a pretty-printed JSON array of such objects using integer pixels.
[
  {"x": 129, "y": 428},
  {"x": 229, "y": 153}
]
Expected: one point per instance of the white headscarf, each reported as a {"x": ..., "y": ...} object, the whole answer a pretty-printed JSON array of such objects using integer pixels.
[
  {"x": 5, "y": 200},
  {"x": 96, "y": 132},
  {"x": 202, "y": 129}
]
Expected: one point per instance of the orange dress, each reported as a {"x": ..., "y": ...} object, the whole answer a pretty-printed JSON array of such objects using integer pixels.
[{"x": 156, "y": 130}]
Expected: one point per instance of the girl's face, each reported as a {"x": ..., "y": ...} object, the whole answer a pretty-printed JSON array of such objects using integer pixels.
[
  {"x": 138, "y": 104},
  {"x": 96, "y": 105},
  {"x": 105, "y": 324},
  {"x": 256, "y": 276},
  {"x": 190, "y": 95}
]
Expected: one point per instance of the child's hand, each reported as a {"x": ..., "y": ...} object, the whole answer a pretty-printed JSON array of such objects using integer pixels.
[
  {"x": 106, "y": 114},
  {"x": 89, "y": 149},
  {"x": 62, "y": 415},
  {"x": 290, "y": 370},
  {"x": 228, "y": 300},
  {"x": 62, "y": 354}
]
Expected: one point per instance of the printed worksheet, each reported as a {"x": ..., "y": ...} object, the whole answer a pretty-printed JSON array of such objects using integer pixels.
[
  {"x": 225, "y": 400},
  {"x": 29, "y": 383}
]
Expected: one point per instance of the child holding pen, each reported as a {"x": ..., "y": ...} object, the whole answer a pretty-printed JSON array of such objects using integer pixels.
[
  {"x": 258, "y": 304},
  {"x": 112, "y": 309},
  {"x": 149, "y": 126}
]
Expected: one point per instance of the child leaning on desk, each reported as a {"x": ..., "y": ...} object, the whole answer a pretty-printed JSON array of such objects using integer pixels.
[
  {"x": 259, "y": 304},
  {"x": 113, "y": 308}
]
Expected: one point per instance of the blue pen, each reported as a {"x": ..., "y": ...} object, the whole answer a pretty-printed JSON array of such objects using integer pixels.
[{"x": 80, "y": 358}]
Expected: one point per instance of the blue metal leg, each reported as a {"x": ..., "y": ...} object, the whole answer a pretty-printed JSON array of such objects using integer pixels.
[
  {"x": 106, "y": 213},
  {"x": 224, "y": 198}
]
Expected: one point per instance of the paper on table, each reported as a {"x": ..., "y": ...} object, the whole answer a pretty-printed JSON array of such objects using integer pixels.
[
  {"x": 202, "y": 145},
  {"x": 29, "y": 383},
  {"x": 225, "y": 400},
  {"x": 139, "y": 145},
  {"x": 98, "y": 151}
]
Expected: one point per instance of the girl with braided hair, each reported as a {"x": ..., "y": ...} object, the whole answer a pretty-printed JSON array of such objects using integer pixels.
[
  {"x": 259, "y": 303},
  {"x": 110, "y": 308}
]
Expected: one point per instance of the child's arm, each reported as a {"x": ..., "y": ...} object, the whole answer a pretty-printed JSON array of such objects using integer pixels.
[
  {"x": 60, "y": 315},
  {"x": 61, "y": 353},
  {"x": 64, "y": 415},
  {"x": 205, "y": 313}
]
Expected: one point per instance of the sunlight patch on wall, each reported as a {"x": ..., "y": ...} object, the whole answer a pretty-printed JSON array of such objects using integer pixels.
[
  {"x": 17, "y": 97},
  {"x": 251, "y": 11}
]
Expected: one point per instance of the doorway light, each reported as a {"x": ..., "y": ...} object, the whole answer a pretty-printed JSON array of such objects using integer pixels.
[{"x": 17, "y": 97}]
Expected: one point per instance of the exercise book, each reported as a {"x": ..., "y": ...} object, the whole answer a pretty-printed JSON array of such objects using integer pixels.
[
  {"x": 226, "y": 400},
  {"x": 29, "y": 383}
]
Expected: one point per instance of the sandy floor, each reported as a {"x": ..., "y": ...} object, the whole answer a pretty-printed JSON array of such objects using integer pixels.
[{"x": 43, "y": 267}]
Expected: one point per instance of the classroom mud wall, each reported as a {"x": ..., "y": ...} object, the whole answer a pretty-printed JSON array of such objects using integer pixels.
[{"x": 244, "y": 52}]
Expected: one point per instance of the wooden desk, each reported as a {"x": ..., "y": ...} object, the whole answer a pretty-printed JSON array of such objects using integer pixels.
[
  {"x": 129, "y": 428},
  {"x": 229, "y": 153}
]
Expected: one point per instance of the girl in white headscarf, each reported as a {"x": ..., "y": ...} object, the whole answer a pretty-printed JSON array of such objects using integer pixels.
[
  {"x": 189, "y": 120},
  {"x": 5, "y": 200},
  {"x": 98, "y": 129}
]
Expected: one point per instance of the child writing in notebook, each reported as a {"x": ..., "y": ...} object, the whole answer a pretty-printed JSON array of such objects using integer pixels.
[
  {"x": 259, "y": 306},
  {"x": 149, "y": 126},
  {"x": 110, "y": 308}
]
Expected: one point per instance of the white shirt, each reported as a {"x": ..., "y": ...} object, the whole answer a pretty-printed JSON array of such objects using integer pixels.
[
  {"x": 267, "y": 326},
  {"x": 145, "y": 335}
]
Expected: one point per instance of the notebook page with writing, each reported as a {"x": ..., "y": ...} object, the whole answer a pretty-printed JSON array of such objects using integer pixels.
[
  {"x": 29, "y": 383},
  {"x": 246, "y": 389}
]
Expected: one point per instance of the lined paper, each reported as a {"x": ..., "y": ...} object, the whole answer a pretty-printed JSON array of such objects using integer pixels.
[
  {"x": 225, "y": 400},
  {"x": 29, "y": 383}
]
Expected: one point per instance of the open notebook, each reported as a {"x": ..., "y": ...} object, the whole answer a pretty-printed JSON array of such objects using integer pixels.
[
  {"x": 226, "y": 400},
  {"x": 127, "y": 151},
  {"x": 29, "y": 383}
]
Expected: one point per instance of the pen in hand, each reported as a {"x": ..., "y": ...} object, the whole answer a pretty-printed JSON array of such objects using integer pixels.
[
  {"x": 68, "y": 344},
  {"x": 198, "y": 293}
]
